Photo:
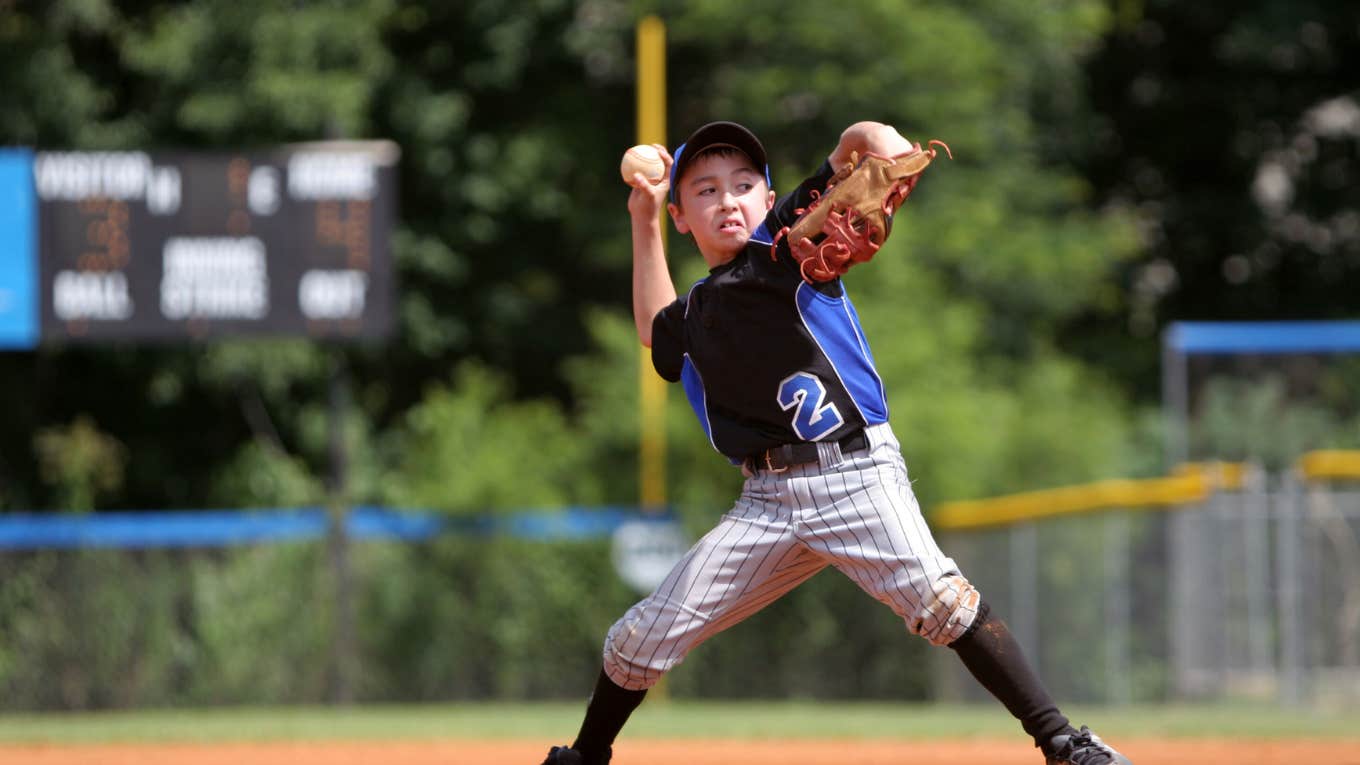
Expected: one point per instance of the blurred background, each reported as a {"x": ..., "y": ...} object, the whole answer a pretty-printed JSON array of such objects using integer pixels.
[{"x": 1120, "y": 165}]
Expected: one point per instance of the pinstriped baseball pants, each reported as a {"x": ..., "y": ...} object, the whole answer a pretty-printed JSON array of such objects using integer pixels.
[{"x": 852, "y": 511}]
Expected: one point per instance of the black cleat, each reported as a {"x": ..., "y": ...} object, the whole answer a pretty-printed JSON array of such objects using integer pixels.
[
  {"x": 1081, "y": 747},
  {"x": 561, "y": 755}
]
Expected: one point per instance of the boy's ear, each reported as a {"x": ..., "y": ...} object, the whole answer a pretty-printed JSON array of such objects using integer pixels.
[
  {"x": 677, "y": 217},
  {"x": 769, "y": 200}
]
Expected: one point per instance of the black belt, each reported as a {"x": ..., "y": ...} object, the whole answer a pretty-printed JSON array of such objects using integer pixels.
[{"x": 781, "y": 458}]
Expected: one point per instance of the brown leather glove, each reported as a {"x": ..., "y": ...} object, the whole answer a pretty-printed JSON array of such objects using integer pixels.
[{"x": 849, "y": 221}]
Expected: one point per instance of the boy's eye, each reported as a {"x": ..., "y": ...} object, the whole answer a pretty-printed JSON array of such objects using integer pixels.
[
  {"x": 742, "y": 188},
  {"x": 705, "y": 191}
]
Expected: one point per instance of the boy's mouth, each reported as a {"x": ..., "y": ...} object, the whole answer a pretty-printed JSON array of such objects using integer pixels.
[{"x": 732, "y": 225}]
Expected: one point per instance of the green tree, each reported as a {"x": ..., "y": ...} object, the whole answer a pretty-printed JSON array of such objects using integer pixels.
[
  {"x": 80, "y": 462},
  {"x": 1232, "y": 129},
  {"x": 469, "y": 448}
]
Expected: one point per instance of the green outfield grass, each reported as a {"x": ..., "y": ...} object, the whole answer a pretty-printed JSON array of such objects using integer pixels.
[{"x": 778, "y": 719}]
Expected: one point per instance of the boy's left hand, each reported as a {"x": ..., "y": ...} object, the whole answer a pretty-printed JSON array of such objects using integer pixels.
[{"x": 864, "y": 138}]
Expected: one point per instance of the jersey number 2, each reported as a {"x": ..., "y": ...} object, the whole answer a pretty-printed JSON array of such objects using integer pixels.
[{"x": 813, "y": 418}]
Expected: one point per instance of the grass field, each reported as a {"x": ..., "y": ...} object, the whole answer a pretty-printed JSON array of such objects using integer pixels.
[{"x": 662, "y": 720}]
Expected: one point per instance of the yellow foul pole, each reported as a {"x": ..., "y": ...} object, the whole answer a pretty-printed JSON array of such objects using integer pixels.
[{"x": 651, "y": 128}]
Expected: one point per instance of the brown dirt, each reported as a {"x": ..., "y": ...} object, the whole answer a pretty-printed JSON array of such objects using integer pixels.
[{"x": 674, "y": 752}]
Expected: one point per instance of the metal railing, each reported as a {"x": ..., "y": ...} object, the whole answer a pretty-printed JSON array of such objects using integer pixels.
[{"x": 1248, "y": 588}]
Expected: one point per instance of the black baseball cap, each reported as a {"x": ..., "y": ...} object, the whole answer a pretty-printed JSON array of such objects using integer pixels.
[{"x": 719, "y": 134}]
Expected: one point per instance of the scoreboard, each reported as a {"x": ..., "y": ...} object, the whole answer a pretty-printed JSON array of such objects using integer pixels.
[{"x": 164, "y": 246}]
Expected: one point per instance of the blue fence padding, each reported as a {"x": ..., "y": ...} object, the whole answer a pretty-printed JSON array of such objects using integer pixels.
[
  {"x": 221, "y": 528},
  {"x": 381, "y": 523},
  {"x": 206, "y": 528},
  {"x": 572, "y": 523},
  {"x": 1223, "y": 337}
]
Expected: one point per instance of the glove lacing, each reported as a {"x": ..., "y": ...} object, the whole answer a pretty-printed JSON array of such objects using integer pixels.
[{"x": 852, "y": 225}]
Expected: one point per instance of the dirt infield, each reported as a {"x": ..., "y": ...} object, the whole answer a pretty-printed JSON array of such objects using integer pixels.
[{"x": 673, "y": 752}]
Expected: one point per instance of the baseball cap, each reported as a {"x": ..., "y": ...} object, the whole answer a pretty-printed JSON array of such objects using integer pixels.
[{"x": 719, "y": 134}]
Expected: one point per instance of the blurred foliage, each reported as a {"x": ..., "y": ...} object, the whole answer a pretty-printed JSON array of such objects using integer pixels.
[
  {"x": 1232, "y": 130},
  {"x": 259, "y": 623},
  {"x": 1262, "y": 421},
  {"x": 80, "y": 461},
  {"x": 90, "y": 629},
  {"x": 263, "y": 476},
  {"x": 458, "y": 619},
  {"x": 1105, "y": 182},
  {"x": 468, "y": 447}
]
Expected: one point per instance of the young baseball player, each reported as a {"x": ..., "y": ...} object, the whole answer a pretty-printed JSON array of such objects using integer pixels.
[{"x": 779, "y": 373}]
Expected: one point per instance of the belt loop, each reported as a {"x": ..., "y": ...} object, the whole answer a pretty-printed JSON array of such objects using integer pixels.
[{"x": 829, "y": 454}]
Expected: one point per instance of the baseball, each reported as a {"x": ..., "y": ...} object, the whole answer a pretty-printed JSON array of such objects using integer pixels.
[{"x": 642, "y": 159}]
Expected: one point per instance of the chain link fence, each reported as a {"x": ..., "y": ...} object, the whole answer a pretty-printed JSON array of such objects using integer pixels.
[{"x": 1250, "y": 591}]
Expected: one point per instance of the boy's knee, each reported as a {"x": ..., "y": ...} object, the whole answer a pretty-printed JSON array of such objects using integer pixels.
[
  {"x": 630, "y": 661},
  {"x": 947, "y": 611}
]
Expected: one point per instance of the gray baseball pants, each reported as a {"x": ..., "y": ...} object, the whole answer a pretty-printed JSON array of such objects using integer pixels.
[{"x": 853, "y": 511}]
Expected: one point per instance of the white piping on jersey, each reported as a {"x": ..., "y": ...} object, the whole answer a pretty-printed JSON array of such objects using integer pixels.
[
  {"x": 799, "y": 305},
  {"x": 689, "y": 296},
  {"x": 708, "y": 423},
  {"x": 864, "y": 349}
]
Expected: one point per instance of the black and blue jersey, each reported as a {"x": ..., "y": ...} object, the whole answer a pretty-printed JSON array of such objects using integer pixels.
[{"x": 766, "y": 358}]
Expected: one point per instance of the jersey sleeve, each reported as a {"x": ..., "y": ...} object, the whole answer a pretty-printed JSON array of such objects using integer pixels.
[
  {"x": 668, "y": 349},
  {"x": 784, "y": 212}
]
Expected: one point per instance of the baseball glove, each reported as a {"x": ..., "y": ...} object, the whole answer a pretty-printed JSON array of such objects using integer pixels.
[{"x": 847, "y": 223}]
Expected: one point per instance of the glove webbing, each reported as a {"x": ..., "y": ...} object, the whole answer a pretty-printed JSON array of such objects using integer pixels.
[{"x": 850, "y": 236}]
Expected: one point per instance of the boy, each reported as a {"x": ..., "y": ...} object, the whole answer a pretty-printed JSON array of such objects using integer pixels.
[{"x": 781, "y": 378}]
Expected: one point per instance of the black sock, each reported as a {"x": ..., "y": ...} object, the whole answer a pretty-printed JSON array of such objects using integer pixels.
[
  {"x": 991, "y": 653},
  {"x": 606, "y": 713}
]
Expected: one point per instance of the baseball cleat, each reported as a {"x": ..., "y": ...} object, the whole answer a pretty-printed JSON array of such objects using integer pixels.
[
  {"x": 561, "y": 755},
  {"x": 1073, "y": 747}
]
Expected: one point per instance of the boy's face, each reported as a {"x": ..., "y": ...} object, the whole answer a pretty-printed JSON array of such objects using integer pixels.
[{"x": 722, "y": 199}]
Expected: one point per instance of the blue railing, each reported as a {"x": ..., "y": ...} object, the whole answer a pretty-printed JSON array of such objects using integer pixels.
[
  {"x": 222, "y": 528},
  {"x": 1263, "y": 337}
]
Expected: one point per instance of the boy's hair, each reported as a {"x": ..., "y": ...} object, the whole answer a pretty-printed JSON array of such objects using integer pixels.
[
  {"x": 717, "y": 150},
  {"x": 723, "y": 150}
]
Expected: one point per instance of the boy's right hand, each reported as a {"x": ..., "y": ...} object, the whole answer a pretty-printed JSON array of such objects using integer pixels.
[{"x": 648, "y": 197}]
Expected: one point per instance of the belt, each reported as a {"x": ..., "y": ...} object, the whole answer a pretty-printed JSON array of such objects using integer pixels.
[{"x": 781, "y": 458}]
